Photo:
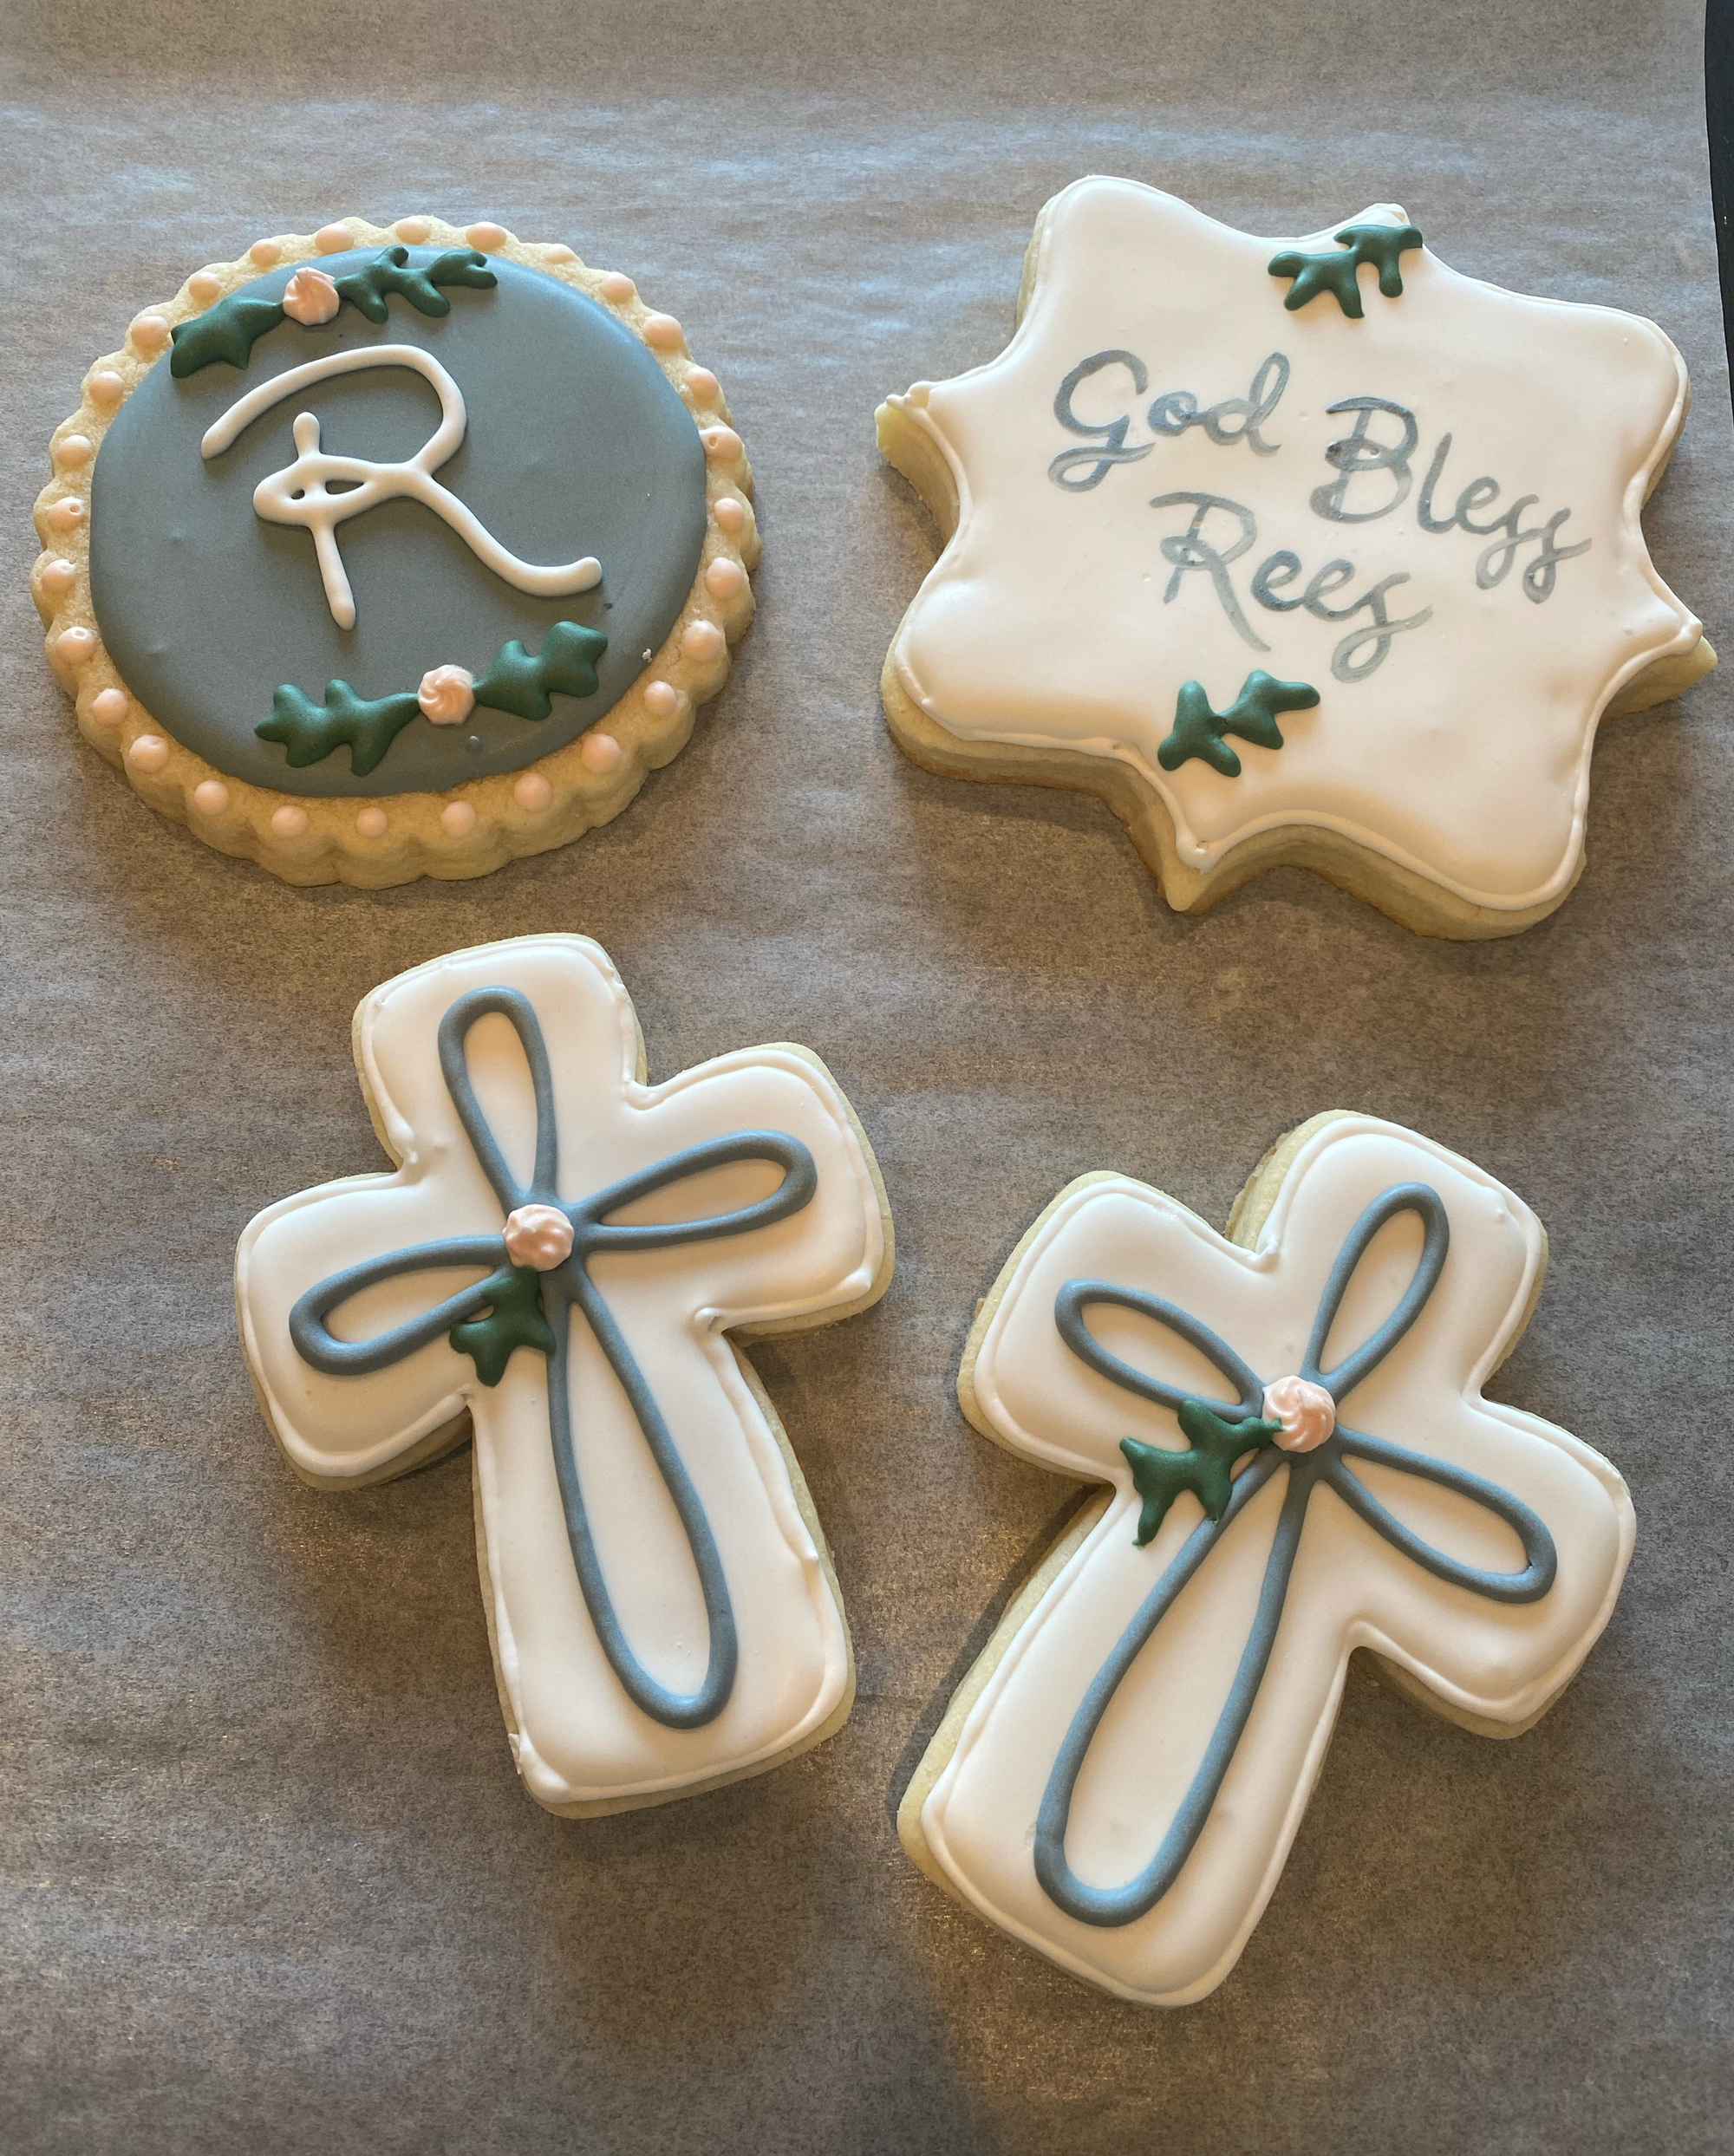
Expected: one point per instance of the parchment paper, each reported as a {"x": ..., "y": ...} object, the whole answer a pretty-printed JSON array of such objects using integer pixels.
[{"x": 269, "y": 1881}]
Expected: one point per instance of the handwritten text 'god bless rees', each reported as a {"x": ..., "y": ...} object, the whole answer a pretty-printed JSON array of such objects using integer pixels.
[{"x": 1373, "y": 476}]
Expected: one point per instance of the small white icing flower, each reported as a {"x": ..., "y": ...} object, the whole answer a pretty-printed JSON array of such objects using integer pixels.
[
  {"x": 536, "y": 1235},
  {"x": 311, "y": 298},
  {"x": 447, "y": 695},
  {"x": 1306, "y": 1412}
]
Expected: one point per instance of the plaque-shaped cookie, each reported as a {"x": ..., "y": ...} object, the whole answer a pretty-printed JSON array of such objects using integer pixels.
[{"x": 1296, "y": 551}]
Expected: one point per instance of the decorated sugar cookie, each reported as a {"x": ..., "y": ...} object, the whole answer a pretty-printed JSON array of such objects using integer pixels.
[
  {"x": 384, "y": 553},
  {"x": 560, "y": 1263},
  {"x": 1308, "y": 551},
  {"x": 1299, "y": 1462}
]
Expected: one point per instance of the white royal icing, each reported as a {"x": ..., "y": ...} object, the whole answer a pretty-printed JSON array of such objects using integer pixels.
[
  {"x": 301, "y": 493},
  {"x": 579, "y": 1739},
  {"x": 1055, "y": 619},
  {"x": 1496, "y": 1662}
]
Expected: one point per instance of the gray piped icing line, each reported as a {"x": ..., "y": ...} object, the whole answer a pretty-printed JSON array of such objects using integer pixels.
[
  {"x": 573, "y": 436},
  {"x": 564, "y": 1287},
  {"x": 1327, "y": 1467}
]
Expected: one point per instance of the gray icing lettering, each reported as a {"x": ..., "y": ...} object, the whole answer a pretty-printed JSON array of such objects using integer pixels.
[
  {"x": 1504, "y": 551},
  {"x": 1424, "y": 507},
  {"x": 1278, "y": 571},
  {"x": 1494, "y": 564},
  {"x": 1374, "y": 464},
  {"x": 1078, "y": 470},
  {"x": 1362, "y": 652},
  {"x": 1177, "y": 409},
  {"x": 1232, "y": 420},
  {"x": 1538, "y": 577},
  {"x": 1360, "y": 454},
  {"x": 1376, "y": 637},
  {"x": 1191, "y": 550},
  {"x": 1282, "y": 568}
]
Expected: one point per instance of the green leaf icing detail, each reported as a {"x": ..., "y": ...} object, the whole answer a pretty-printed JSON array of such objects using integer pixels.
[
  {"x": 226, "y": 331},
  {"x": 515, "y": 682},
  {"x": 1380, "y": 244},
  {"x": 231, "y": 329},
  {"x": 1198, "y": 731},
  {"x": 514, "y": 1321},
  {"x": 389, "y": 271},
  {"x": 566, "y": 665},
  {"x": 1215, "y": 1444},
  {"x": 309, "y": 730}
]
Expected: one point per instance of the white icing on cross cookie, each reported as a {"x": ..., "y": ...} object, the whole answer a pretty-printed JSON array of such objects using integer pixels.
[
  {"x": 1428, "y": 515},
  {"x": 661, "y": 1612},
  {"x": 1472, "y": 1546}
]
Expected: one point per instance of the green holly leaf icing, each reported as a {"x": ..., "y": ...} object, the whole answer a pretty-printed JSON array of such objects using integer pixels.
[
  {"x": 1380, "y": 244},
  {"x": 231, "y": 329},
  {"x": 226, "y": 331},
  {"x": 515, "y": 682},
  {"x": 309, "y": 730},
  {"x": 390, "y": 271},
  {"x": 566, "y": 665},
  {"x": 1214, "y": 1445},
  {"x": 1198, "y": 731},
  {"x": 514, "y": 1321}
]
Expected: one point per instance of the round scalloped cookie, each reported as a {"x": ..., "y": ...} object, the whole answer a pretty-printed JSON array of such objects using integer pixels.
[{"x": 320, "y": 822}]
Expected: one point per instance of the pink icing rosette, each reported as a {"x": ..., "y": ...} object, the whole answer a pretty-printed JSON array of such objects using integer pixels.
[
  {"x": 1306, "y": 1412},
  {"x": 538, "y": 1234},
  {"x": 311, "y": 298},
  {"x": 447, "y": 695}
]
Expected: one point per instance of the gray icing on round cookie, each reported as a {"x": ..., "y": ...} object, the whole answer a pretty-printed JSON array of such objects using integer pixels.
[{"x": 575, "y": 443}]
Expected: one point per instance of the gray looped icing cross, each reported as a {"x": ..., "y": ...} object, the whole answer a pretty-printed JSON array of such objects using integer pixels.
[
  {"x": 1328, "y": 1467},
  {"x": 563, "y": 1287}
]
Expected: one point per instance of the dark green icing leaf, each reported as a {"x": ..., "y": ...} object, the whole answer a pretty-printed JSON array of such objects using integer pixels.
[
  {"x": 309, "y": 730},
  {"x": 514, "y": 1321},
  {"x": 390, "y": 271},
  {"x": 229, "y": 330},
  {"x": 565, "y": 664},
  {"x": 1214, "y": 1445},
  {"x": 1380, "y": 244},
  {"x": 1198, "y": 731},
  {"x": 225, "y": 331}
]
